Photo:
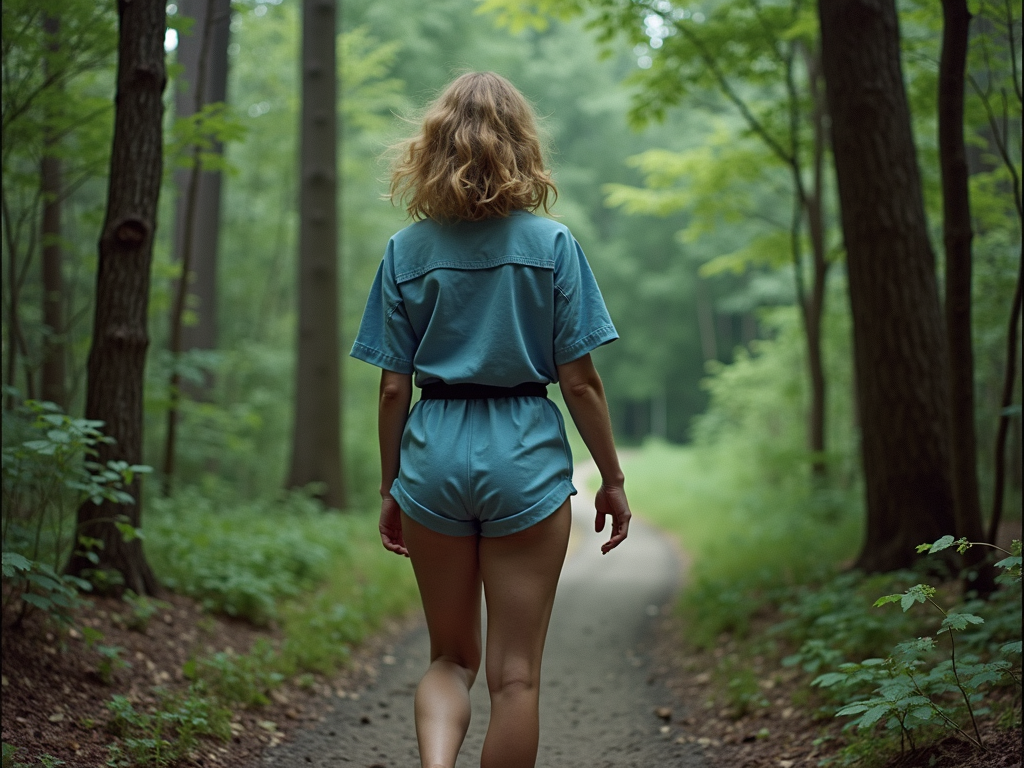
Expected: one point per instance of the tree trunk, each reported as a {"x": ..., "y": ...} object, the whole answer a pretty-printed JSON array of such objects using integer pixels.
[
  {"x": 957, "y": 235},
  {"x": 53, "y": 380},
  {"x": 316, "y": 444},
  {"x": 813, "y": 205},
  {"x": 899, "y": 349},
  {"x": 118, "y": 355},
  {"x": 206, "y": 220},
  {"x": 198, "y": 212}
]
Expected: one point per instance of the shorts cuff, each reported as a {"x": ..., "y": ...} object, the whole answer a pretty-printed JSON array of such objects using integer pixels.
[
  {"x": 429, "y": 519},
  {"x": 528, "y": 517}
]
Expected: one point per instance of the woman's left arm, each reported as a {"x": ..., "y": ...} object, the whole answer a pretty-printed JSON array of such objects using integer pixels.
[{"x": 392, "y": 413}]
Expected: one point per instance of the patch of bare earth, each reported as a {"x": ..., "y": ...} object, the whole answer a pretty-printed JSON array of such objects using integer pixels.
[
  {"x": 787, "y": 733},
  {"x": 55, "y": 699}
]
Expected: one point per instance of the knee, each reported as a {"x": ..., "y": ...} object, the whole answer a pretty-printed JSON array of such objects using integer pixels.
[{"x": 514, "y": 676}]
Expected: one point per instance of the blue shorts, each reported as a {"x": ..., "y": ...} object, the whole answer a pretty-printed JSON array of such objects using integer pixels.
[{"x": 491, "y": 467}]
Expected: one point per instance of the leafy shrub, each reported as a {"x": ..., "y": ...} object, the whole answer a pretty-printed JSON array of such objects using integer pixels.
[
  {"x": 48, "y": 472},
  {"x": 141, "y": 610},
  {"x": 240, "y": 557},
  {"x": 829, "y": 622},
  {"x": 169, "y": 733},
  {"x": 244, "y": 679},
  {"x": 913, "y": 687}
]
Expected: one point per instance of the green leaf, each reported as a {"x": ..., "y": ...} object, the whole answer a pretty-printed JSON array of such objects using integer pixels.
[
  {"x": 944, "y": 543},
  {"x": 38, "y": 601},
  {"x": 828, "y": 679},
  {"x": 873, "y": 715},
  {"x": 12, "y": 562},
  {"x": 887, "y": 599},
  {"x": 959, "y": 621},
  {"x": 1012, "y": 647},
  {"x": 853, "y": 709}
]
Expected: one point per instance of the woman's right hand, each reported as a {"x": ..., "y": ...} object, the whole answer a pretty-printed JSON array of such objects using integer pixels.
[{"x": 611, "y": 500}]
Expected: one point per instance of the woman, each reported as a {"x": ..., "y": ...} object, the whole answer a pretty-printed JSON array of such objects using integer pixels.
[{"x": 486, "y": 303}]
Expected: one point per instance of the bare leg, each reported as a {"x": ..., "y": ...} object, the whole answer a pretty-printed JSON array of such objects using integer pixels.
[
  {"x": 520, "y": 573},
  {"x": 448, "y": 573}
]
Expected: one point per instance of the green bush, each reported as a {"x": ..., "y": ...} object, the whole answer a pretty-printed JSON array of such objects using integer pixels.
[
  {"x": 245, "y": 679},
  {"x": 920, "y": 686},
  {"x": 242, "y": 557},
  {"x": 169, "y": 733},
  {"x": 48, "y": 472}
]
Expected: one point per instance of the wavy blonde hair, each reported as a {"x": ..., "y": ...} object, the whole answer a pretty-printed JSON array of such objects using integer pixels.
[{"x": 477, "y": 156}]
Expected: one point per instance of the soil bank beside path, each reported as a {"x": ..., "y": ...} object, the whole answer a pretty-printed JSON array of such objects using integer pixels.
[{"x": 600, "y": 682}]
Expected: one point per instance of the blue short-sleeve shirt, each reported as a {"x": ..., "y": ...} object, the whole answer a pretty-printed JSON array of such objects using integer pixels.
[{"x": 499, "y": 302}]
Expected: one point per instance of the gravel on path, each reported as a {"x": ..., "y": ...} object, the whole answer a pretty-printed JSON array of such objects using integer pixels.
[{"x": 601, "y": 686}]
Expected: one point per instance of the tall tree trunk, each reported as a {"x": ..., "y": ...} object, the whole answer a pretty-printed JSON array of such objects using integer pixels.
[
  {"x": 17, "y": 271},
  {"x": 957, "y": 235},
  {"x": 198, "y": 219},
  {"x": 53, "y": 385},
  {"x": 899, "y": 345},
  {"x": 1009, "y": 377},
  {"x": 814, "y": 206},
  {"x": 118, "y": 355},
  {"x": 206, "y": 219},
  {"x": 316, "y": 443}
]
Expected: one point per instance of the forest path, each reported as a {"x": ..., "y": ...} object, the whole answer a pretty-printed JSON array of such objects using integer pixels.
[{"x": 600, "y": 684}]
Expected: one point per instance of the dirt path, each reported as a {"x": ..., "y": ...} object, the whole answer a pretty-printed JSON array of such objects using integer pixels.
[{"x": 600, "y": 683}]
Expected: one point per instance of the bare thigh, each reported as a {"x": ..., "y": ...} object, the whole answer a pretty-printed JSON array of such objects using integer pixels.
[
  {"x": 520, "y": 573},
  {"x": 448, "y": 573}
]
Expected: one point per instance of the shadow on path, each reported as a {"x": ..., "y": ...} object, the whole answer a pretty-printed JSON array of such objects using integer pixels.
[{"x": 599, "y": 683}]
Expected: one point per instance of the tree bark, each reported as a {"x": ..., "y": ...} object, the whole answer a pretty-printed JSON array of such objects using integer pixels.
[
  {"x": 316, "y": 444},
  {"x": 118, "y": 354},
  {"x": 957, "y": 236},
  {"x": 899, "y": 345},
  {"x": 53, "y": 378}
]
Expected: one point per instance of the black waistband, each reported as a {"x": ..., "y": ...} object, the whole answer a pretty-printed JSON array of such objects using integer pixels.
[{"x": 442, "y": 391}]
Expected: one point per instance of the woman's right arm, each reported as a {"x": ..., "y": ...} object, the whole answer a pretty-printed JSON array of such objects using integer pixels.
[{"x": 583, "y": 393}]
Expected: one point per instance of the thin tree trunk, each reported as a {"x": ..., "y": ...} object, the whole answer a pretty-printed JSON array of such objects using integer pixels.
[
  {"x": 813, "y": 205},
  {"x": 15, "y": 280},
  {"x": 188, "y": 207},
  {"x": 316, "y": 444},
  {"x": 899, "y": 346},
  {"x": 53, "y": 384},
  {"x": 706, "y": 322},
  {"x": 206, "y": 219},
  {"x": 1009, "y": 377},
  {"x": 957, "y": 235},
  {"x": 120, "y": 338}
]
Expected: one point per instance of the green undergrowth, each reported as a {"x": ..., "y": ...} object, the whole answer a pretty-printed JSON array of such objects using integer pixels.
[
  {"x": 768, "y": 580},
  {"x": 322, "y": 576},
  {"x": 744, "y": 541}
]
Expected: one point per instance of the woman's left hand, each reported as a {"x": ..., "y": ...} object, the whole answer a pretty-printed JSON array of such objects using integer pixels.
[{"x": 391, "y": 527}]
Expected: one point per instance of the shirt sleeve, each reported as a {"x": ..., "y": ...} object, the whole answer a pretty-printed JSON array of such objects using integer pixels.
[
  {"x": 386, "y": 338},
  {"x": 582, "y": 322}
]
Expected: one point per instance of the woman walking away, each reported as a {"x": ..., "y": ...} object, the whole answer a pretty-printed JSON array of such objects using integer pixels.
[{"x": 486, "y": 303}]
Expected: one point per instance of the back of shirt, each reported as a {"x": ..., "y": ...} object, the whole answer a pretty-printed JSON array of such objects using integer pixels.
[{"x": 498, "y": 302}]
